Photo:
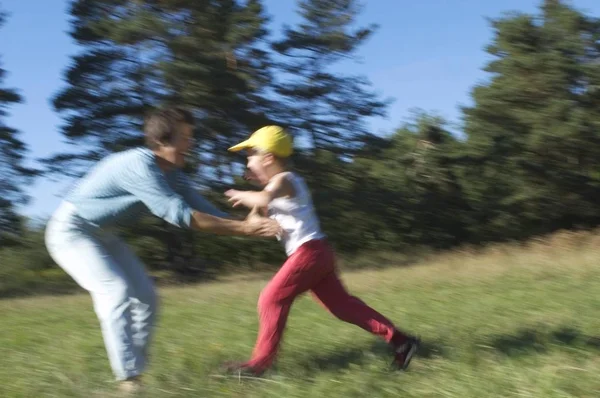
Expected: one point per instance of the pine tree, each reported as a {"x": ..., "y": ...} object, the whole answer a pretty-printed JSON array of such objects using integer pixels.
[
  {"x": 201, "y": 54},
  {"x": 205, "y": 55},
  {"x": 324, "y": 108},
  {"x": 14, "y": 174},
  {"x": 219, "y": 66},
  {"x": 533, "y": 132},
  {"x": 407, "y": 187},
  {"x": 111, "y": 83}
]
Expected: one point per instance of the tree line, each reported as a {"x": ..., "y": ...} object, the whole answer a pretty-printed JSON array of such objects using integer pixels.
[{"x": 527, "y": 161}]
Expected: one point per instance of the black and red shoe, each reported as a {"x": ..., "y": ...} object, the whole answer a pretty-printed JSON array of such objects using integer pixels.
[{"x": 404, "y": 348}]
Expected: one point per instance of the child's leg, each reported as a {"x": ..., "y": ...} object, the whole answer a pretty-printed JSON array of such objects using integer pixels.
[
  {"x": 299, "y": 273},
  {"x": 334, "y": 297}
]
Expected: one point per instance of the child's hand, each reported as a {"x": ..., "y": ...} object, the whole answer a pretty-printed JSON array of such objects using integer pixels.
[
  {"x": 235, "y": 196},
  {"x": 253, "y": 214},
  {"x": 249, "y": 199}
]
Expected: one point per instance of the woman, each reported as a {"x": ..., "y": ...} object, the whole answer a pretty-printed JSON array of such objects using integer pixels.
[{"x": 119, "y": 189}]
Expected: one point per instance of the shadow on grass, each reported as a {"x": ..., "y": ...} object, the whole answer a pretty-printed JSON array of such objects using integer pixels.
[
  {"x": 343, "y": 359},
  {"x": 524, "y": 342},
  {"x": 534, "y": 341},
  {"x": 23, "y": 289},
  {"x": 59, "y": 284}
]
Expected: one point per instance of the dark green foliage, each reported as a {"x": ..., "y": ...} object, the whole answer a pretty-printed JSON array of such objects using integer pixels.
[
  {"x": 204, "y": 55},
  {"x": 533, "y": 136},
  {"x": 528, "y": 162}
]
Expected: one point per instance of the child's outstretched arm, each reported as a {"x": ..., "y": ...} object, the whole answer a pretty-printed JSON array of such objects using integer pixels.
[{"x": 279, "y": 187}]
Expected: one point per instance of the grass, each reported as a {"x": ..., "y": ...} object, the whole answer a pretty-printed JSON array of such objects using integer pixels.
[{"x": 512, "y": 321}]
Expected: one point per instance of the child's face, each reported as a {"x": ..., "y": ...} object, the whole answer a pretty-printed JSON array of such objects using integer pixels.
[{"x": 257, "y": 165}]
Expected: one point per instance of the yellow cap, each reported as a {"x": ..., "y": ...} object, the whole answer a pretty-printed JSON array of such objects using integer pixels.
[{"x": 272, "y": 139}]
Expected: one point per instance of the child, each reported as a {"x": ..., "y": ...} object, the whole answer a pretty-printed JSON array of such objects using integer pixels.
[{"x": 311, "y": 261}]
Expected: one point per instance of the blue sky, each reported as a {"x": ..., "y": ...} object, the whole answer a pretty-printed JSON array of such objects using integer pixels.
[{"x": 426, "y": 54}]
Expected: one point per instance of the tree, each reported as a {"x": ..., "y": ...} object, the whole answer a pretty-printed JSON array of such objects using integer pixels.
[
  {"x": 324, "y": 108},
  {"x": 407, "y": 187},
  {"x": 111, "y": 83},
  {"x": 201, "y": 54},
  {"x": 14, "y": 174},
  {"x": 205, "y": 55},
  {"x": 533, "y": 136},
  {"x": 219, "y": 66}
]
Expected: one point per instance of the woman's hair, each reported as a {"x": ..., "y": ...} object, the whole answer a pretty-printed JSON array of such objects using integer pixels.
[{"x": 161, "y": 125}]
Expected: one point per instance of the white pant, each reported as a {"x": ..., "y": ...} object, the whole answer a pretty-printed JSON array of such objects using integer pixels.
[{"x": 123, "y": 295}]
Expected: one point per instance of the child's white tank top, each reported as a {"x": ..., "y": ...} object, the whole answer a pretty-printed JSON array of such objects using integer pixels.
[{"x": 297, "y": 216}]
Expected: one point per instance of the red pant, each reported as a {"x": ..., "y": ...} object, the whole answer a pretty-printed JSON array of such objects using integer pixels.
[{"x": 312, "y": 267}]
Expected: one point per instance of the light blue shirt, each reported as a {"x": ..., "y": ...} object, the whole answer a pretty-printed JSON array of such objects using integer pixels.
[{"x": 126, "y": 184}]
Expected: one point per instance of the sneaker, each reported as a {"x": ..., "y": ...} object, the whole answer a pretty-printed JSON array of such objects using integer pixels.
[
  {"x": 130, "y": 386},
  {"x": 404, "y": 352}
]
